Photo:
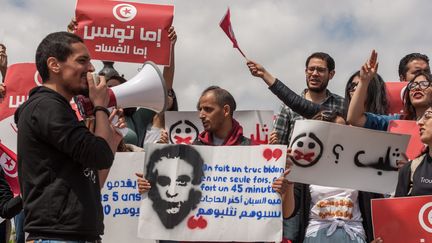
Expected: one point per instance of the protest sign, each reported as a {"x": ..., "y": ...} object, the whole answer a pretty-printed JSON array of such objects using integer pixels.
[
  {"x": 8, "y": 162},
  {"x": 330, "y": 154},
  {"x": 415, "y": 145},
  {"x": 121, "y": 200},
  {"x": 199, "y": 192},
  {"x": 125, "y": 31},
  {"x": 395, "y": 92},
  {"x": 184, "y": 127},
  {"x": 402, "y": 219},
  {"x": 20, "y": 79}
]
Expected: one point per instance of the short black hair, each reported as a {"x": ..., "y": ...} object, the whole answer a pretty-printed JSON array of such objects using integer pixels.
[
  {"x": 403, "y": 64},
  {"x": 223, "y": 97},
  {"x": 58, "y": 45},
  {"x": 181, "y": 151},
  {"x": 323, "y": 56}
]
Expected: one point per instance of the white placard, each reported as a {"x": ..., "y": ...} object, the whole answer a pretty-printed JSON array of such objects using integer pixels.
[
  {"x": 183, "y": 127},
  {"x": 229, "y": 199},
  {"x": 121, "y": 200},
  {"x": 336, "y": 155}
]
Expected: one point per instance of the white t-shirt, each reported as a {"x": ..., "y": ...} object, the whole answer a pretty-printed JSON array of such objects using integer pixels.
[{"x": 333, "y": 207}]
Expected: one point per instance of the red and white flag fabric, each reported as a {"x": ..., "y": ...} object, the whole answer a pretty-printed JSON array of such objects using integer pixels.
[
  {"x": 226, "y": 26},
  {"x": 125, "y": 31},
  {"x": 8, "y": 162}
]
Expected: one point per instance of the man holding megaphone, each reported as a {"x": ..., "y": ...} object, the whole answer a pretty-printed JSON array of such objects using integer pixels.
[{"x": 58, "y": 157}]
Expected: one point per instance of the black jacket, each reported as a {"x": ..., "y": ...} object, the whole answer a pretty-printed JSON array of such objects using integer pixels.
[
  {"x": 58, "y": 159},
  {"x": 9, "y": 205},
  {"x": 302, "y": 205}
]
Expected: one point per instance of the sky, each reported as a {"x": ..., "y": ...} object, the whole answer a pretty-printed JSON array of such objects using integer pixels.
[{"x": 279, "y": 34}]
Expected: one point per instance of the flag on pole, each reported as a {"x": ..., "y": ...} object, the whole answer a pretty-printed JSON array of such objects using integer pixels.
[
  {"x": 8, "y": 162},
  {"x": 226, "y": 26}
]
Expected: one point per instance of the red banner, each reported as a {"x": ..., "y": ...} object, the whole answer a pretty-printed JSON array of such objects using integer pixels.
[
  {"x": 404, "y": 219},
  {"x": 415, "y": 145},
  {"x": 125, "y": 31},
  {"x": 395, "y": 91}
]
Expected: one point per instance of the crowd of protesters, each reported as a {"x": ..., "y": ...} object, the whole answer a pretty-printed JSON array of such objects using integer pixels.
[{"x": 61, "y": 201}]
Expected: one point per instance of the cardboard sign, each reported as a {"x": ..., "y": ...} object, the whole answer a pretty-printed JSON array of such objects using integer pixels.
[
  {"x": 121, "y": 200},
  {"x": 395, "y": 92},
  {"x": 184, "y": 127},
  {"x": 125, "y": 31},
  {"x": 330, "y": 154},
  {"x": 415, "y": 145},
  {"x": 199, "y": 192},
  {"x": 403, "y": 219}
]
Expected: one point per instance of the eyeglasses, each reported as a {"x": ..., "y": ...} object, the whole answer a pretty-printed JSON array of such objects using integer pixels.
[
  {"x": 351, "y": 87},
  {"x": 328, "y": 115},
  {"x": 320, "y": 70},
  {"x": 422, "y": 84},
  {"x": 426, "y": 116}
]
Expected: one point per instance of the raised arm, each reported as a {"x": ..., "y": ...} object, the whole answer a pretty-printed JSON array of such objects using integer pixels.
[
  {"x": 3, "y": 61},
  {"x": 356, "y": 111},
  {"x": 294, "y": 101}
]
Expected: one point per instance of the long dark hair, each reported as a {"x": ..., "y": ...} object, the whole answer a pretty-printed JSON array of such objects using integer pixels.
[
  {"x": 376, "y": 100},
  {"x": 409, "y": 109}
]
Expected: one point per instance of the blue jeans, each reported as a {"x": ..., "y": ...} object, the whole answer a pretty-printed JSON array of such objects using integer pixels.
[{"x": 19, "y": 227}]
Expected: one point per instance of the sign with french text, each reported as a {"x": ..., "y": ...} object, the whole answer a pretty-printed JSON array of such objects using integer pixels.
[
  {"x": 402, "y": 219},
  {"x": 395, "y": 92},
  {"x": 415, "y": 145},
  {"x": 331, "y": 154},
  {"x": 125, "y": 31},
  {"x": 200, "y": 191},
  {"x": 183, "y": 127},
  {"x": 121, "y": 200}
]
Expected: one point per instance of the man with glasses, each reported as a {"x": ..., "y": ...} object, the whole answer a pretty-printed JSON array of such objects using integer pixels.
[{"x": 320, "y": 69}]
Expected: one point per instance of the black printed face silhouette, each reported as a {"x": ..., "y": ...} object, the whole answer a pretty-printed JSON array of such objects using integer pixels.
[
  {"x": 183, "y": 132},
  {"x": 307, "y": 150}
]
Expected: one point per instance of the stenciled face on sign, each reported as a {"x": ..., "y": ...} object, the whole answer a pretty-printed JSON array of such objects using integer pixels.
[
  {"x": 307, "y": 149},
  {"x": 175, "y": 175}
]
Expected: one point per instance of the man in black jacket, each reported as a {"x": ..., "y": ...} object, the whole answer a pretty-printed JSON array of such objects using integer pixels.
[{"x": 60, "y": 160}]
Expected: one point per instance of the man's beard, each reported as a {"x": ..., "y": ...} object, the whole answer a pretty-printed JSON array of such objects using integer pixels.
[
  {"x": 172, "y": 219},
  {"x": 319, "y": 89}
]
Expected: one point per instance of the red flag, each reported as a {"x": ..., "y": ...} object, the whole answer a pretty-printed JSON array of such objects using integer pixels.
[
  {"x": 8, "y": 162},
  {"x": 226, "y": 26},
  {"x": 395, "y": 92}
]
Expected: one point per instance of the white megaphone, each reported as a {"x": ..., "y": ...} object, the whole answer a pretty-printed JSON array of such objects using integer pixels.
[{"x": 147, "y": 89}]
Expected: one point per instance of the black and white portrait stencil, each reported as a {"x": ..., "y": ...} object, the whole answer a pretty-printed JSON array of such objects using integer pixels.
[{"x": 174, "y": 192}]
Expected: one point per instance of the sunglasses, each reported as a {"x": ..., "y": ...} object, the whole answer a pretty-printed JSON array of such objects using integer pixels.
[{"x": 351, "y": 87}]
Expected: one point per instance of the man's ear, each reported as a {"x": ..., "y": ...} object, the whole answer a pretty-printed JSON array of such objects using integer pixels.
[
  {"x": 226, "y": 110},
  {"x": 53, "y": 65},
  {"x": 331, "y": 74}
]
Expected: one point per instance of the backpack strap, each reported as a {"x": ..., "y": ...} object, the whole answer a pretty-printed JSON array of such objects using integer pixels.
[{"x": 414, "y": 164}]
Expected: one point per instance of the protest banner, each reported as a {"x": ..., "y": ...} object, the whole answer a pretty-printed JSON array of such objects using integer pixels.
[
  {"x": 125, "y": 31},
  {"x": 395, "y": 92},
  {"x": 330, "y": 154},
  {"x": 402, "y": 219},
  {"x": 415, "y": 145},
  {"x": 199, "y": 192},
  {"x": 184, "y": 127},
  {"x": 8, "y": 162},
  {"x": 121, "y": 200}
]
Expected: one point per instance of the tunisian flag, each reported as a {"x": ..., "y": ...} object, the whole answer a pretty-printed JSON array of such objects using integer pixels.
[
  {"x": 226, "y": 26},
  {"x": 8, "y": 162}
]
